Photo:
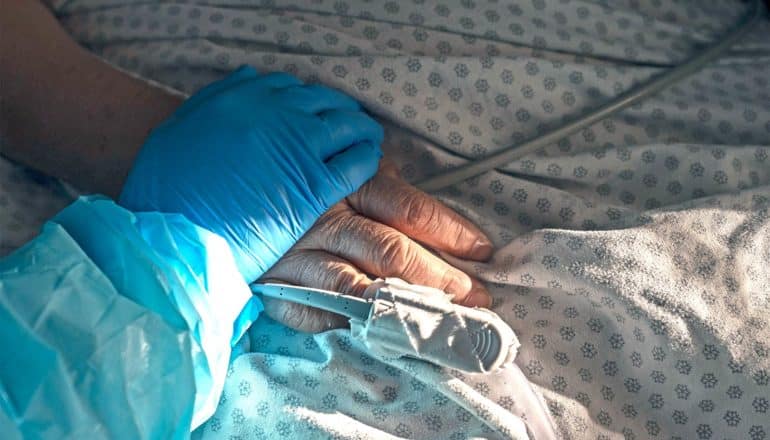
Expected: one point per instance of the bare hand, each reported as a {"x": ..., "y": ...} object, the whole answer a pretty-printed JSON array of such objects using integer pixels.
[{"x": 375, "y": 232}]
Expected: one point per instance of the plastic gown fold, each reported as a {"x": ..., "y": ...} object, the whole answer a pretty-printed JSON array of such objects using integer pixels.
[{"x": 117, "y": 325}]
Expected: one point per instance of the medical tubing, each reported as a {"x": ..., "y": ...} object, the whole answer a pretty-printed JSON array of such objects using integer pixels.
[
  {"x": 349, "y": 306},
  {"x": 625, "y": 99}
]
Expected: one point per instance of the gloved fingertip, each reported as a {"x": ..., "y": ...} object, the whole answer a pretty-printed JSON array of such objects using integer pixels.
[
  {"x": 279, "y": 80},
  {"x": 347, "y": 128},
  {"x": 356, "y": 165},
  {"x": 333, "y": 98},
  {"x": 245, "y": 69}
]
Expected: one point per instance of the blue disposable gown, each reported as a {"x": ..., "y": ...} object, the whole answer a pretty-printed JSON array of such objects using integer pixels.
[{"x": 117, "y": 325}]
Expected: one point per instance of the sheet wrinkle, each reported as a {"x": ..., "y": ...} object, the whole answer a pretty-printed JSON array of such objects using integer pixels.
[{"x": 629, "y": 197}]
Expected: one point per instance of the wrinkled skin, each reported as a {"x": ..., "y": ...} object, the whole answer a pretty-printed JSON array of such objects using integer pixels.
[{"x": 384, "y": 229}]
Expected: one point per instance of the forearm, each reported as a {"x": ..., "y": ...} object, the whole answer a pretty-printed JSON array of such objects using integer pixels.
[{"x": 64, "y": 111}]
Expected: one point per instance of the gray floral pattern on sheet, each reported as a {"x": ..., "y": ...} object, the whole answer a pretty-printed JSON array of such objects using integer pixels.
[{"x": 632, "y": 256}]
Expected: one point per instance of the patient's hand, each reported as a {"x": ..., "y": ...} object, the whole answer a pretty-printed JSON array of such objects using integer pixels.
[{"x": 374, "y": 232}]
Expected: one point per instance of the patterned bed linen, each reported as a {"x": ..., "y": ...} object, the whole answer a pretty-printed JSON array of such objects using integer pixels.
[{"x": 632, "y": 257}]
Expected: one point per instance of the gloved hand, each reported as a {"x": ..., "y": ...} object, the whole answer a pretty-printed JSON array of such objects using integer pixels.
[{"x": 256, "y": 159}]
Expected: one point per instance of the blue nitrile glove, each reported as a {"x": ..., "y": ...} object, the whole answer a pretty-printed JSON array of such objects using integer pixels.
[{"x": 256, "y": 159}]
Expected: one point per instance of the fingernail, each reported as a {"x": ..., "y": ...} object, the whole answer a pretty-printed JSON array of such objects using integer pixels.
[
  {"x": 481, "y": 249},
  {"x": 484, "y": 299},
  {"x": 478, "y": 296}
]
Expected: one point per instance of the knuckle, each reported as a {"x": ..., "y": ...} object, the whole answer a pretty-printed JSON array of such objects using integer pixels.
[
  {"x": 452, "y": 280},
  {"x": 332, "y": 224},
  {"x": 326, "y": 220},
  {"x": 313, "y": 269},
  {"x": 340, "y": 277},
  {"x": 292, "y": 266},
  {"x": 367, "y": 194},
  {"x": 351, "y": 233},
  {"x": 422, "y": 213},
  {"x": 445, "y": 276},
  {"x": 394, "y": 253}
]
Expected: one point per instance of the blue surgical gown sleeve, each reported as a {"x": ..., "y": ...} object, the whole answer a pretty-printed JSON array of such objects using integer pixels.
[{"x": 117, "y": 325}]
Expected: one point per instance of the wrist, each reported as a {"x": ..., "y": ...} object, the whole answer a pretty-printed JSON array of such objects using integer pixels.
[{"x": 143, "y": 107}]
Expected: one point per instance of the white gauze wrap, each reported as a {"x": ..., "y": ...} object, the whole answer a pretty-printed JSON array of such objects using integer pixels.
[{"x": 421, "y": 322}]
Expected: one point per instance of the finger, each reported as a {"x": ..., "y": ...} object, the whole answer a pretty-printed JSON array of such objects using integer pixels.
[
  {"x": 320, "y": 270},
  {"x": 316, "y": 98},
  {"x": 299, "y": 316},
  {"x": 347, "y": 128},
  {"x": 239, "y": 75},
  {"x": 478, "y": 296},
  {"x": 401, "y": 206},
  {"x": 389, "y": 168},
  {"x": 382, "y": 251},
  {"x": 350, "y": 169}
]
